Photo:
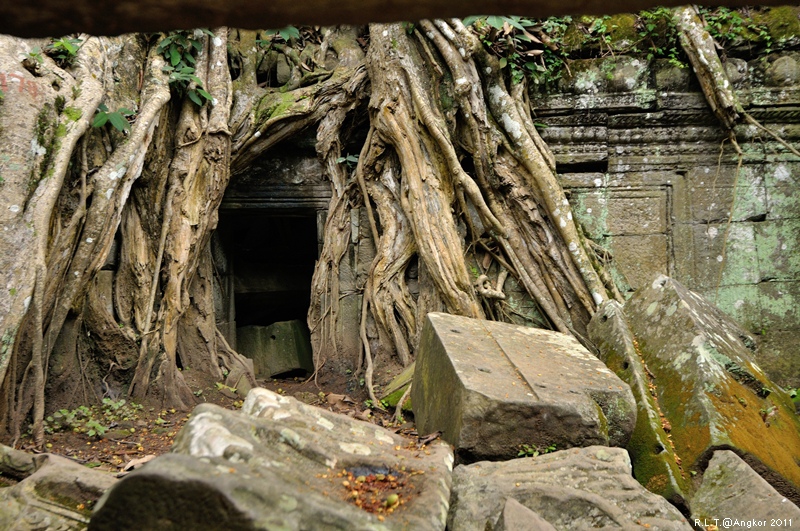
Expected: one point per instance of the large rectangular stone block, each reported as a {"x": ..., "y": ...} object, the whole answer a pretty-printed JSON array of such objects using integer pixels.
[
  {"x": 276, "y": 349},
  {"x": 710, "y": 391},
  {"x": 491, "y": 388}
]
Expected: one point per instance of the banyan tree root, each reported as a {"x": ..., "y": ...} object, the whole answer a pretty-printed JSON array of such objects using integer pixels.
[{"x": 425, "y": 167}]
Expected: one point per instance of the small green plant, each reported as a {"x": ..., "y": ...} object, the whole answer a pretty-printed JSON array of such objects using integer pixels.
[
  {"x": 94, "y": 420},
  {"x": 350, "y": 160},
  {"x": 510, "y": 38},
  {"x": 531, "y": 450},
  {"x": 179, "y": 49},
  {"x": 64, "y": 50},
  {"x": 658, "y": 35},
  {"x": 35, "y": 55},
  {"x": 118, "y": 119},
  {"x": 288, "y": 33}
]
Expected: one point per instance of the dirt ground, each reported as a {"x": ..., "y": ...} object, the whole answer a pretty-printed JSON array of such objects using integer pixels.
[{"x": 128, "y": 442}]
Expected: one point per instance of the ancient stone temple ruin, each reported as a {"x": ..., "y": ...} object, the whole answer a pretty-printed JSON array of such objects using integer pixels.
[{"x": 650, "y": 180}]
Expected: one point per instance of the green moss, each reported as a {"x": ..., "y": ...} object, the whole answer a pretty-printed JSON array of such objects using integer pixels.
[
  {"x": 392, "y": 399},
  {"x": 56, "y": 494},
  {"x": 574, "y": 38},
  {"x": 274, "y": 104},
  {"x": 781, "y": 22},
  {"x": 622, "y": 28},
  {"x": 72, "y": 113}
]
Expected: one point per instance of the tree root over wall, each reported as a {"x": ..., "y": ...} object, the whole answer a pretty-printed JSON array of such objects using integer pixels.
[{"x": 456, "y": 183}]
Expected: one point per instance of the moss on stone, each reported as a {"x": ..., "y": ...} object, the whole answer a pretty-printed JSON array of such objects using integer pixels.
[
  {"x": 73, "y": 114},
  {"x": 622, "y": 30},
  {"x": 782, "y": 23},
  {"x": 574, "y": 38}
]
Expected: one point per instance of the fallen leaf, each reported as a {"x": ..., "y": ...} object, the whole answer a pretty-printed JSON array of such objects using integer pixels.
[{"x": 133, "y": 464}]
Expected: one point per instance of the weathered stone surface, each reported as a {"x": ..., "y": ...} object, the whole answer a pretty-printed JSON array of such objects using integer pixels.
[
  {"x": 492, "y": 387},
  {"x": 712, "y": 394},
  {"x": 278, "y": 348},
  {"x": 275, "y": 465},
  {"x": 517, "y": 517},
  {"x": 669, "y": 144},
  {"x": 50, "y": 490},
  {"x": 587, "y": 488},
  {"x": 654, "y": 461},
  {"x": 731, "y": 489},
  {"x": 783, "y": 72}
]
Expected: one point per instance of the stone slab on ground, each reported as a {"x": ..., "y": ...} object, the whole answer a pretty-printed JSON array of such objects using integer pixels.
[
  {"x": 731, "y": 489},
  {"x": 280, "y": 464},
  {"x": 655, "y": 464},
  {"x": 712, "y": 394},
  {"x": 53, "y": 492},
  {"x": 579, "y": 488},
  {"x": 493, "y": 387},
  {"x": 276, "y": 349}
]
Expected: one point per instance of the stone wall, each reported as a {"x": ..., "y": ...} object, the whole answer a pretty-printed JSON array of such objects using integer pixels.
[{"x": 652, "y": 180}]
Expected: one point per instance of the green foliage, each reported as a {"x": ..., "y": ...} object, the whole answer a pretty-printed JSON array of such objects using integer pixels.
[
  {"x": 179, "y": 49},
  {"x": 531, "y": 450},
  {"x": 350, "y": 160},
  {"x": 118, "y": 119},
  {"x": 35, "y": 55},
  {"x": 94, "y": 420},
  {"x": 659, "y": 36},
  {"x": 511, "y": 39},
  {"x": 287, "y": 34},
  {"x": 63, "y": 50},
  {"x": 369, "y": 404},
  {"x": 729, "y": 27},
  {"x": 599, "y": 30}
]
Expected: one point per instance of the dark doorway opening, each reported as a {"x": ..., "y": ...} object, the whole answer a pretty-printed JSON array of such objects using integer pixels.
[{"x": 272, "y": 258}]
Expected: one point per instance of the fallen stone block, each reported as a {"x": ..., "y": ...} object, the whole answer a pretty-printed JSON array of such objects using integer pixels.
[
  {"x": 732, "y": 490},
  {"x": 493, "y": 389},
  {"x": 282, "y": 464},
  {"x": 276, "y": 349},
  {"x": 52, "y": 493},
  {"x": 655, "y": 464},
  {"x": 711, "y": 393},
  {"x": 580, "y": 488}
]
